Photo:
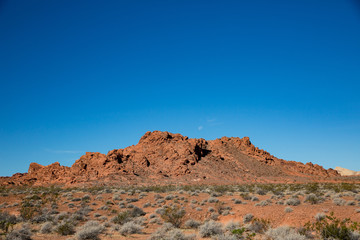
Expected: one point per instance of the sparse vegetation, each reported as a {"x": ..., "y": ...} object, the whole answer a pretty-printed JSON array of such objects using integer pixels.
[{"x": 121, "y": 211}]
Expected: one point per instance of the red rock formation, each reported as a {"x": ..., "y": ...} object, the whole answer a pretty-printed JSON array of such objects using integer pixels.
[{"x": 162, "y": 157}]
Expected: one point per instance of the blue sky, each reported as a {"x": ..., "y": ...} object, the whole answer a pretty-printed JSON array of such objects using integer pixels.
[{"x": 80, "y": 76}]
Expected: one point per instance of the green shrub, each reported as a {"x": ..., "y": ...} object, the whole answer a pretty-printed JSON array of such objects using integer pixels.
[
  {"x": 332, "y": 227},
  {"x": 121, "y": 218},
  {"x": 65, "y": 228},
  {"x": 174, "y": 215},
  {"x": 28, "y": 209},
  {"x": 239, "y": 233},
  {"x": 7, "y": 221},
  {"x": 312, "y": 198}
]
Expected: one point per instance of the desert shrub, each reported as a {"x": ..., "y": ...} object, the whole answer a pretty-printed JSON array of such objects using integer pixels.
[
  {"x": 146, "y": 205},
  {"x": 247, "y": 218},
  {"x": 312, "y": 187},
  {"x": 258, "y": 225},
  {"x": 177, "y": 234},
  {"x": 84, "y": 210},
  {"x": 139, "y": 220},
  {"x": 116, "y": 197},
  {"x": 121, "y": 218},
  {"x": 332, "y": 227},
  {"x": 312, "y": 198},
  {"x": 198, "y": 209},
  {"x": 28, "y": 209},
  {"x": 260, "y": 191},
  {"x": 237, "y": 201},
  {"x": 160, "y": 211},
  {"x": 173, "y": 215},
  {"x": 61, "y": 216},
  {"x": 215, "y": 194},
  {"x": 86, "y": 198},
  {"x": 130, "y": 200},
  {"x": 65, "y": 228},
  {"x": 210, "y": 228},
  {"x": 167, "y": 232},
  {"x": 98, "y": 198},
  {"x": 157, "y": 196},
  {"x": 225, "y": 236},
  {"x": 46, "y": 227},
  {"x": 220, "y": 207},
  {"x": 288, "y": 210},
  {"x": 104, "y": 207},
  {"x": 240, "y": 233},
  {"x": 44, "y": 217},
  {"x": 357, "y": 197},
  {"x": 160, "y": 201},
  {"x": 262, "y": 203},
  {"x": 284, "y": 233},
  {"x": 320, "y": 216},
  {"x": 230, "y": 226},
  {"x": 225, "y": 212},
  {"x": 130, "y": 228},
  {"x": 76, "y": 216},
  {"x": 24, "y": 233},
  {"x": 254, "y": 199},
  {"x": 350, "y": 203},
  {"x": 90, "y": 230},
  {"x": 211, "y": 209},
  {"x": 246, "y": 196},
  {"x": 292, "y": 202},
  {"x": 213, "y": 200},
  {"x": 214, "y": 216},
  {"x": 191, "y": 223},
  {"x": 154, "y": 220},
  {"x": 128, "y": 215},
  {"x": 169, "y": 197},
  {"x": 137, "y": 212},
  {"x": 7, "y": 221},
  {"x": 339, "y": 201}
]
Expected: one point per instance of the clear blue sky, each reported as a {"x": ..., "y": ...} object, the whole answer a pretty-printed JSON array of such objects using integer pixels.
[{"x": 80, "y": 76}]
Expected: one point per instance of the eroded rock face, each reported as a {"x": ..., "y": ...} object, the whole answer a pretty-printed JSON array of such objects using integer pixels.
[{"x": 163, "y": 157}]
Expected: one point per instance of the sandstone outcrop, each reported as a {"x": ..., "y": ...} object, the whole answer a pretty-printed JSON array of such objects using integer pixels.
[
  {"x": 166, "y": 158},
  {"x": 346, "y": 172}
]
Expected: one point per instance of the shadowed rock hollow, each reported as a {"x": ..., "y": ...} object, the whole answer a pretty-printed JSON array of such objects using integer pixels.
[{"x": 166, "y": 158}]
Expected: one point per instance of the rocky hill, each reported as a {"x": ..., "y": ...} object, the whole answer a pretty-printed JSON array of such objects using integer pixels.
[{"x": 166, "y": 158}]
